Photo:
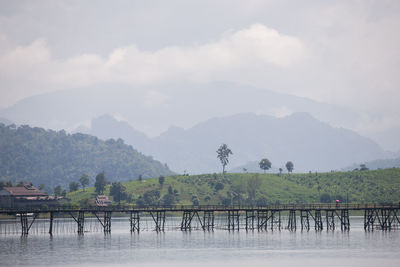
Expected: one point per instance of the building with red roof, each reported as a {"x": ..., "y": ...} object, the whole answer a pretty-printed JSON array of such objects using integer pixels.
[{"x": 27, "y": 195}]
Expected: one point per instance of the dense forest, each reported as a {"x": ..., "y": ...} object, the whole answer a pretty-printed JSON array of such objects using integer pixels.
[
  {"x": 378, "y": 186},
  {"x": 56, "y": 158}
]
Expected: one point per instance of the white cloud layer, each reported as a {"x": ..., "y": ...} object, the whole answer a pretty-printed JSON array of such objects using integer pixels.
[
  {"x": 339, "y": 52},
  {"x": 234, "y": 51}
]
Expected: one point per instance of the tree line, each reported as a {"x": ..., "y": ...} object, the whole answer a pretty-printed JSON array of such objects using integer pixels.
[{"x": 265, "y": 164}]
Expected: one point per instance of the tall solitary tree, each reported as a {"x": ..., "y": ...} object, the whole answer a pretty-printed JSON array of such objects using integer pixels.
[
  {"x": 289, "y": 166},
  {"x": 57, "y": 190},
  {"x": 223, "y": 153},
  {"x": 84, "y": 180},
  {"x": 117, "y": 191},
  {"x": 161, "y": 180},
  {"x": 363, "y": 167},
  {"x": 100, "y": 183},
  {"x": 73, "y": 186},
  {"x": 265, "y": 164}
]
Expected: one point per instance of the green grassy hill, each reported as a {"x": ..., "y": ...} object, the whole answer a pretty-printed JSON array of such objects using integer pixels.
[{"x": 357, "y": 186}]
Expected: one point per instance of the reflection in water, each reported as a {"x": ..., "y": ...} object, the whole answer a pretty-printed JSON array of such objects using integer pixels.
[{"x": 198, "y": 248}]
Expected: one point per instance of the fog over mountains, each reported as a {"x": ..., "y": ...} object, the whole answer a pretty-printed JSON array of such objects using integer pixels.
[
  {"x": 255, "y": 123},
  {"x": 5, "y": 121},
  {"x": 154, "y": 109},
  {"x": 377, "y": 164},
  {"x": 309, "y": 143}
]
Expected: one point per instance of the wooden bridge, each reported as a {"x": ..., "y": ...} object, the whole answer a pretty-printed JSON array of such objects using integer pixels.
[{"x": 298, "y": 216}]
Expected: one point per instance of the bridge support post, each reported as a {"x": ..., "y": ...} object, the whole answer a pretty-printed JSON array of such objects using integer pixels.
[
  {"x": 387, "y": 218},
  {"x": 187, "y": 220},
  {"x": 51, "y": 222},
  {"x": 272, "y": 217},
  {"x": 330, "y": 220},
  {"x": 318, "y": 220},
  {"x": 262, "y": 219},
  {"x": 394, "y": 219},
  {"x": 159, "y": 220},
  {"x": 280, "y": 221},
  {"x": 250, "y": 219},
  {"x": 369, "y": 219},
  {"x": 208, "y": 220},
  {"x": 304, "y": 220},
  {"x": 107, "y": 222},
  {"x": 233, "y": 220},
  {"x": 384, "y": 219},
  {"x": 81, "y": 222},
  {"x": 25, "y": 226},
  {"x": 344, "y": 220},
  {"x": 275, "y": 219},
  {"x": 292, "y": 220},
  {"x": 24, "y": 223},
  {"x": 135, "y": 221}
]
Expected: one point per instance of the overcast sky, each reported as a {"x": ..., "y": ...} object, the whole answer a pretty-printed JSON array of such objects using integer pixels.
[{"x": 339, "y": 52}]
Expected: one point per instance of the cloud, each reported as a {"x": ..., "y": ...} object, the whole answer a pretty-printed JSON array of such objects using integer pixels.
[
  {"x": 242, "y": 49},
  {"x": 153, "y": 99},
  {"x": 255, "y": 46},
  {"x": 24, "y": 59},
  {"x": 338, "y": 52}
]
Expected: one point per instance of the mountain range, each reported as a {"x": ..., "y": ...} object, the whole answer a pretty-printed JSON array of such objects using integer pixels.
[
  {"x": 254, "y": 122},
  {"x": 154, "y": 109},
  {"x": 309, "y": 143}
]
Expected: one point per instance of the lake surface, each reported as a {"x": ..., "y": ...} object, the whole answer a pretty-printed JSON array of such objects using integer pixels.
[{"x": 197, "y": 248}]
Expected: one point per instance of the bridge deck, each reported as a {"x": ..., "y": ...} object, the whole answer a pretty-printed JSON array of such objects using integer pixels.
[{"x": 181, "y": 208}]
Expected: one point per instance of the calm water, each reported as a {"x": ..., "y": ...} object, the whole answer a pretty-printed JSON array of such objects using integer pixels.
[{"x": 198, "y": 248}]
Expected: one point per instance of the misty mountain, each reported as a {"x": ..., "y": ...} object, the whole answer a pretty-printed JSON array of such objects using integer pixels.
[
  {"x": 377, "y": 164},
  {"x": 106, "y": 127},
  {"x": 153, "y": 109},
  {"x": 5, "y": 121},
  {"x": 389, "y": 139},
  {"x": 57, "y": 158},
  {"x": 309, "y": 143}
]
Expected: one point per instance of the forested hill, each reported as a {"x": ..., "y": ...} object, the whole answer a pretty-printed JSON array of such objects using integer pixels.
[{"x": 57, "y": 158}]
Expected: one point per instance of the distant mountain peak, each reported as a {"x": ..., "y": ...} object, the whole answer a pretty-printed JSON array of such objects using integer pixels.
[
  {"x": 107, "y": 126},
  {"x": 174, "y": 128},
  {"x": 107, "y": 118},
  {"x": 301, "y": 115},
  {"x": 5, "y": 121}
]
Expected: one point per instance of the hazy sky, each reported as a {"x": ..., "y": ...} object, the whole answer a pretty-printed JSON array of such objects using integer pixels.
[{"x": 340, "y": 52}]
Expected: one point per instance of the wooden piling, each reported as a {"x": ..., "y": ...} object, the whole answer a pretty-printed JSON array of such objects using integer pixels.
[{"x": 51, "y": 222}]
